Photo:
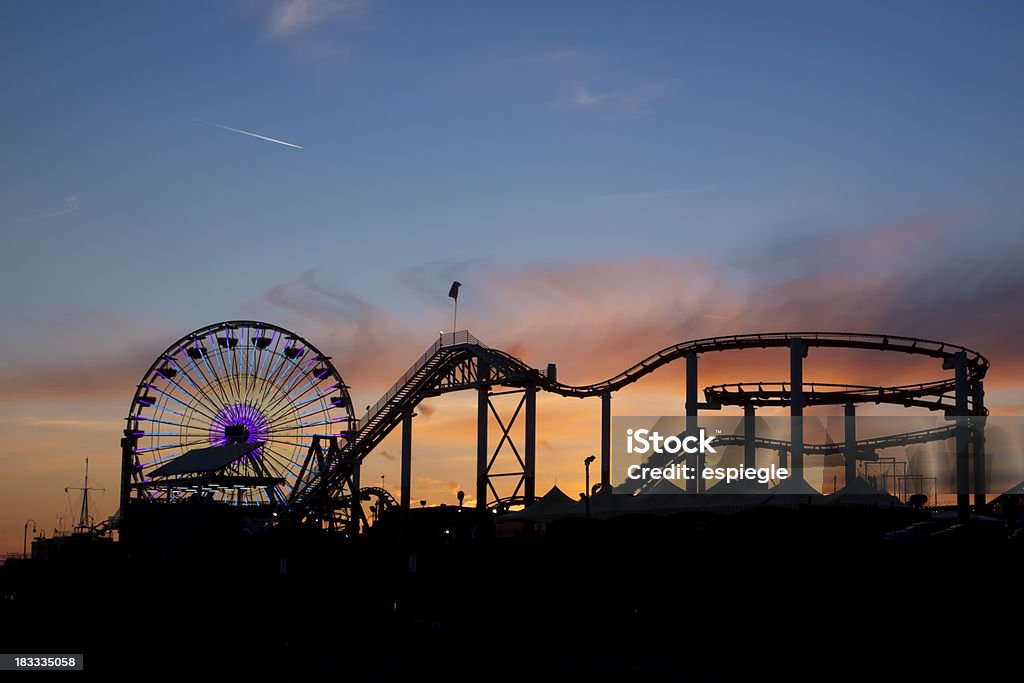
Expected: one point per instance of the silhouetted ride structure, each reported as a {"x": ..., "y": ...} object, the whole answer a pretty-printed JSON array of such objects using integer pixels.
[{"x": 249, "y": 415}]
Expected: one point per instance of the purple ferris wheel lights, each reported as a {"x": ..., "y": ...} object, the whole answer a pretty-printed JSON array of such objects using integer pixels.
[{"x": 238, "y": 423}]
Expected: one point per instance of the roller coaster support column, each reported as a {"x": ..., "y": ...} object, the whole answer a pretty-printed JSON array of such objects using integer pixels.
[
  {"x": 355, "y": 509},
  {"x": 606, "y": 440},
  {"x": 692, "y": 462},
  {"x": 482, "y": 402},
  {"x": 530, "y": 447},
  {"x": 797, "y": 353},
  {"x": 749, "y": 447},
  {"x": 978, "y": 444},
  {"x": 963, "y": 465},
  {"x": 850, "y": 441},
  {"x": 406, "y": 497}
]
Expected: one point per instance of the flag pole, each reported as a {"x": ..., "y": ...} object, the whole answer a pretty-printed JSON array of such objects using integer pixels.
[{"x": 454, "y": 294}]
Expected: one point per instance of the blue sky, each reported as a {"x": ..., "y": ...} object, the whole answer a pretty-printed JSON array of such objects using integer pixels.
[
  {"x": 672, "y": 169},
  {"x": 459, "y": 130}
]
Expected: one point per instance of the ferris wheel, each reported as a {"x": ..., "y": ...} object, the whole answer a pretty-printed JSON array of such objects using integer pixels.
[{"x": 228, "y": 413}]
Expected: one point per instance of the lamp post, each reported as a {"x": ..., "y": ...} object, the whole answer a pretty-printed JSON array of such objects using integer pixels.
[
  {"x": 24, "y": 545},
  {"x": 586, "y": 466}
]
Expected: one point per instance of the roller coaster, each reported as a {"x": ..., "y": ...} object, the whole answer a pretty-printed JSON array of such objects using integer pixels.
[{"x": 247, "y": 413}]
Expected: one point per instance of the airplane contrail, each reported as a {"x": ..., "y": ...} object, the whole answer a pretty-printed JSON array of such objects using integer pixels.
[{"x": 245, "y": 132}]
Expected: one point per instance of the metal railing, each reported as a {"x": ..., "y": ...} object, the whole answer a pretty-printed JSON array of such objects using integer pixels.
[{"x": 445, "y": 339}]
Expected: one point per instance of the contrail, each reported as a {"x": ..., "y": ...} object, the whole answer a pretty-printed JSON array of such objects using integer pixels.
[{"x": 245, "y": 132}]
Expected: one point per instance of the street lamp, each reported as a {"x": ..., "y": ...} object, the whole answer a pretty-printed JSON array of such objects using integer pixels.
[
  {"x": 586, "y": 465},
  {"x": 24, "y": 544}
]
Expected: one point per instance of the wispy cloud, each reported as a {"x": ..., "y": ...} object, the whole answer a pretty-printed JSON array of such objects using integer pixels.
[
  {"x": 584, "y": 98},
  {"x": 595, "y": 318},
  {"x": 289, "y": 18},
  {"x": 629, "y": 100},
  {"x": 35, "y": 421},
  {"x": 70, "y": 206}
]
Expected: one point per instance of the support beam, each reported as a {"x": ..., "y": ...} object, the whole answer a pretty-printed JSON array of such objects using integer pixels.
[
  {"x": 530, "y": 447},
  {"x": 963, "y": 465},
  {"x": 692, "y": 461},
  {"x": 978, "y": 445},
  {"x": 850, "y": 441},
  {"x": 797, "y": 352},
  {"x": 606, "y": 440},
  {"x": 749, "y": 435},
  {"x": 355, "y": 514},
  {"x": 482, "y": 401},
  {"x": 406, "y": 492}
]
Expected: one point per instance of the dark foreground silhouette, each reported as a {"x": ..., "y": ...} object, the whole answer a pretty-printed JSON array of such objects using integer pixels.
[{"x": 807, "y": 592}]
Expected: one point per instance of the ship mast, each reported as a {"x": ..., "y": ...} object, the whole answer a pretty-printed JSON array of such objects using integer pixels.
[{"x": 84, "y": 520}]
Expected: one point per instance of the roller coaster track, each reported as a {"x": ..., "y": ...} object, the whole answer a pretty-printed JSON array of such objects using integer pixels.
[
  {"x": 458, "y": 361},
  {"x": 930, "y": 395},
  {"x": 834, "y": 448}
]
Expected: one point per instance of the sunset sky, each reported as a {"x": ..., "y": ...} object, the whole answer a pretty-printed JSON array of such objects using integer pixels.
[{"x": 603, "y": 179}]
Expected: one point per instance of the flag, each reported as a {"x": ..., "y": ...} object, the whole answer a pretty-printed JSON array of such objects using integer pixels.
[{"x": 454, "y": 291}]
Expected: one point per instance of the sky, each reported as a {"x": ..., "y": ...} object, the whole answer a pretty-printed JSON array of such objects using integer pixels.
[{"x": 603, "y": 179}]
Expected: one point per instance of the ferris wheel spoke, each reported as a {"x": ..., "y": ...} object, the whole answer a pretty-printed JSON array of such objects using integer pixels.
[
  {"x": 216, "y": 381},
  {"x": 182, "y": 403},
  {"x": 246, "y": 356},
  {"x": 323, "y": 408},
  {"x": 142, "y": 418},
  {"x": 207, "y": 380},
  {"x": 170, "y": 359},
  {"x": 319, "y": 391},
  {"x": 184, "y": 370},
  {"x": 234, "y": 369},
  {"x": 283, "y": 463},
  {"x": 283, "y": 397},
  {"x": 278, "y": 356},
  {"x": 317, "y": 394},
  {"x": 281, "y": 369},
  {"x": 198, "y": 397},
  {"x": 295, "y": 372},
  {"x": 311, "y": 383},
  {"x": 271, "y": 467},
  {"x": 298, "y": 375},
  {"x": 216, "y": 355},
  {"x": 313, "y": 397},
  {"x": 293, "y": 424},
  {"x": 297, "y": 444},
  {"x": 181, "y": 444},
  {"x": 271, "y": 384},
  {"x": 266, "y": 354},
  {"x": 284, "y": 410}
]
